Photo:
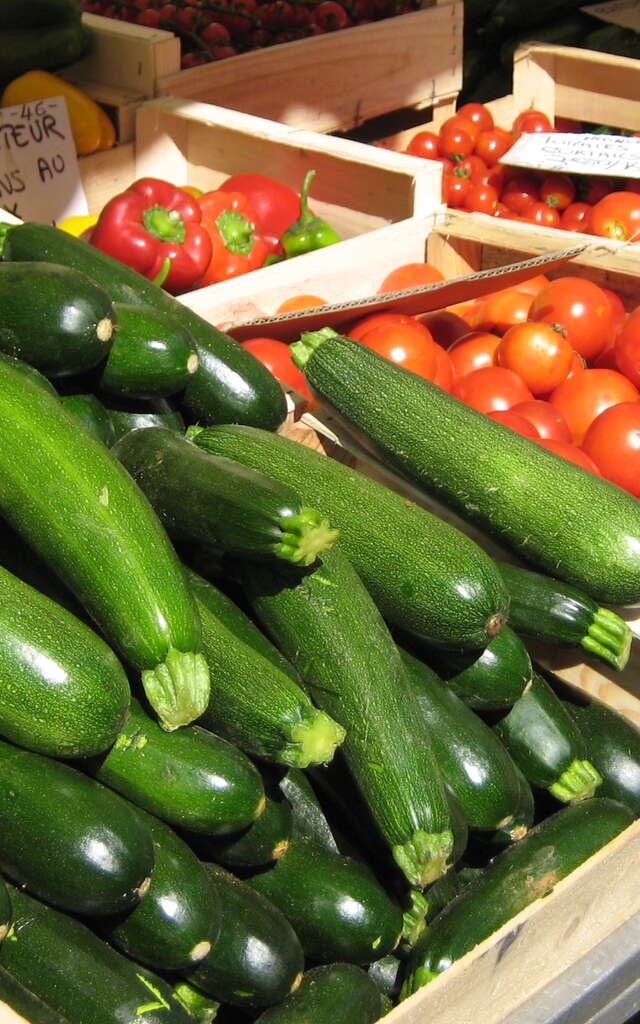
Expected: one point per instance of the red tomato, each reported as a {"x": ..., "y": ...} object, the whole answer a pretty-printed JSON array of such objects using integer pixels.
[
  {"x": 532, "y": 121},
  {"x": 572, "y": 454},
  {"x": 454, "y": 190},
  {"x": 581, "y": 309},
  {"x": 473, "y": 351},
  {"x": 617, "y": 307},
  {"x": 481, "y": 199},
  {"x": 613, "y": 442},
  {"x": 455, "y": 143},
  {"x": 445, "y": 327},
  {"x": 595, "y": 188},
  {"x": 627, "y": 348},
  {"x": 472, "y": 167},
  {"x": 502, "y": 310},
  {"x": 532, "y": 285},
  {"x": 368, "y": 323},
  {"x": 541, "y": 213},
  {"x": 276, "y": 356},
  {"x": 424, "y": 144},
  {"x": 410, "y": 275},
  {"x": 583, "y": 397},
  {"x": 494, "y": 176},
  {"x": 567, "y": 124},
  {"x": 459, "y": 122},
  {"x": 548, "y": 421},
  {"x": 575, "y": 217},
  {"x": 577, "y": 365},
  {"x": 617, "y": 216},
  {"x": 493, "y": 144},
  {"x": 511, "y": 419},
  {"x": 491, "y": 388},
  {"x": 557, "y": 190},
  {"x": 539, "y": 355},
  {"x": 408, "y": 345},
  {"x": 444, "y": 375},
  {"x": 520, "y": 192},
  {"x": 479, "y": 114}
]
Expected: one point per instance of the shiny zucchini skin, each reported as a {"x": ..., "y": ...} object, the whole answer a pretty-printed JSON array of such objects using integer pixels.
[
  {"x": 339, "y": 993},
  {"x": 19, "y": 998},
  {"x": 177, "y": 920},
  {"x": 93, "y": 415},
  {"x": 76, "y": 975},
  {"x": 613, "y": 743},
  {"x": 307, "y": 813},
  {"x": 522, "y": 873},
  {"x": 151, "y": 355},
  {"x": 34, "y": 376},
  {"x": 54, "y": 318},
  {"x": 190, "y": 778},
  {"x": 68, "y": 839},
  {"x": 257, "y": 960},
  {"x": 132, "y": 414},
  {"x": 230, "y": 385},
  {"x": 64, "y": 692},
  {"x": 335, "y": 904},
  {"x": 423, "y": 574},
  {"x": 82, "y": 513},
  {"x": 265, "y": 840}
]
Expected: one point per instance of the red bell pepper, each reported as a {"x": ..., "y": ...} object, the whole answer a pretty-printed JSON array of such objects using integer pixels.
[
  {"x": 154, "y": 227},
  {"x": 275, "y": 204},
  {"x": 236, "y": 247}
]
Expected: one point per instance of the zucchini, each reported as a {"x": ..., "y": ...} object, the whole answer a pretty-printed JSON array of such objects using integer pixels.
[
  {"x": 493, "y": 476},
  {"x": 308, "y": 818},
  {"x": 547, "y": 745},
  {"x": 132, "y": 414},
  {"x": 558, "y": 613},
  {"x": 177, "y": 920},
  {"x": 265, "y": 840},
  {"x": 230, "y": 385},
  {"x": 475, "y": 764},
  {"x": 524, "y": 872},
  {"x": 48, "y": 48},
  {"x": 229, "y": 507},
  {"x": 80, "y": 510},
  {"x": 28, "y": 1006},
  {"x": 64, "y": 692},
  {"x": 613, "y": 743},
  {"x": 254, "y": 704},
  {"x": 77, "y": 976},
  {"x": 200, "y": 1007},
  {"x": 257, "y": 960},
  {"x": 68, "y": 839},
  {"x": 54, "y": 318},
  {"x": 423, "y": 574},
  {"x": 190, "y": 778},
  {"x": 152, "y": 354},
  {"x": 329, "y": 994},
  {"x": 335, "y": 904},
  {"x": 327, "y": 625},
  {"x": 386, "y": 973},
  {"x": 34, "y": 376},
  {"x": 38, "y": 13},
  {"x": 93, "y": 416},
  {"x": 523, "y": 817}
]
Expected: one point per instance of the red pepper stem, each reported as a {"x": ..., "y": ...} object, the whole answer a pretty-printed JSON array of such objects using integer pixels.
[
  {"x": 163, "y": 273},
  {"x": 167, "y": 225}
]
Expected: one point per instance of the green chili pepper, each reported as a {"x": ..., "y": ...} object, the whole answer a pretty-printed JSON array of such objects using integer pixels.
[{"x": 308, "y": 232}]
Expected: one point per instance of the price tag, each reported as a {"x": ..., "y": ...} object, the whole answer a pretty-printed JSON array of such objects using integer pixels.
[
  {"x": 572, "y": 153},
  {"x": 625, "y": 13},
  {"x": 39, "y": 175}
]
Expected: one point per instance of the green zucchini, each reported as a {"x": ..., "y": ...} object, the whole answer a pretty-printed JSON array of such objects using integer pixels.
[
  {"x": 54, "y": 318},
  {"x": 17, "y": 996},
  {"x": 132, "y": 414},
  {"x": 5, "y": 910},
  {"x": 265, "y": 840},
  {"x": 559, "y": 613},
  {"x": 152, "y": 354},
  {"x": 77, "y": 976},
  {"x": 230, "y": 385},
  {"x": 475, "y": 764},
  {"x": 254, "y": 704},
  {"x": 308, "y": 817},
  {"x": 547, "y": 745},
  {"x": 190, "y": 778},
  {"x": 523, "y": 816},
  {"x": 68, "y": 839},
  {"x": 38, "y": 13},
  {"x": 80, "y": 510},
  {"x": 257, "y": 960},
  {"x": 200, "y": 1007},
  {"x": 330, "y": 994},
  {"x": 423, "y": 574},
  {"x": 386, "y": 973},
  {"x": 93, "y": 416},
  {"x": 48, "y": 48},
  {"x": 327, "y": 625},
  {"x": 64, "y": 692},
  {"x": 490, "y": 474},
  {"x": 34, "y": 376},
  {"x": 613, "y": 743},
  {"x": 177, "y": 920},
  {"x": 522, "y": 873}
]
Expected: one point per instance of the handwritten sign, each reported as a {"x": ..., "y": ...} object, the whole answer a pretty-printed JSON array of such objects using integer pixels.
[
  {"x": 625, "y": 13},
  {"x": 572, "y": 153},
  {"x": 39, "y": 176}
]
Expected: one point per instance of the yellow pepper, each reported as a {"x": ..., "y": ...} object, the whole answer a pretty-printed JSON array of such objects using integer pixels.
[
  {"x": 77, "y": 225},
  {"x": 192, "y": 190},
  {"x": 92, "y": 129}
]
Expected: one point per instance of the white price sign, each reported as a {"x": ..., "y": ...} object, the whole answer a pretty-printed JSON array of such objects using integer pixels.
[
  {"x": 39, "y": 176},
  {"x": 572, "y": 153},
  {"x": 625, "y": 13}
]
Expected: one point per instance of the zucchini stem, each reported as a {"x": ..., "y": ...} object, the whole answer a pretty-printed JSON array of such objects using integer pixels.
[
  {"x": 178, "y": 688},
  {"x": 424, "y": 857},
  {"x": 302, "y": 350},
  {"x": 578, "y": 782},
  {"x": 304, "y": 537},
  {"x": 313, "y": 741},
  {"x": 414, "y": 919},
  {"x": 609, "y": 638}
]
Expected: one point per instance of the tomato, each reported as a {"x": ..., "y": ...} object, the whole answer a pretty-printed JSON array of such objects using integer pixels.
[
  {"x": 557, "y": 190},
  {"x": 276, "y": 205},
  {"x": 548, "y": 421},
  {"x": 408, "y": 345},
  {"x": 572, "y": 454},
  {"x": 539, "y": 355},
  {"x": 473, "y": 351},
  {"x": 455, "y": 143},
  {"x": 532, "y": 285},
  {"x": 617, "y": 216},
  {"x": 479, "y": 114},
  {"x": 617, "y": 308},
  {"x": 575, "y": 217},
  {"x": 581, "y": 309},
  {"x": 567, "y": 125},
  {"x": 577, "y": 365},
  {"x": 454, "y": 190},
  {"x": 583, "y": 397},
  {"x": 424, "y": 144},
  {"x": 481, "y": 199},
  {"x": 627, "y": 348},
  {"x": 493, "y": 144},
  {"x": 410, "y": 275},
  {"x": 613, "y": 442},
  {"x": 368, "y": 323},
  {"x": 297, "y": 302},
  {"x": 511, "y": 419},
  {"x": 532, "y": 121},
  {"x": 458, "y": 122},
  {"x": 491, "y": 388},
  {"x": 494, "y": 176},
  {"x": 520, "y": 192},
  {"x": 541, "y": 213},
  {"x": 472, "y": 167},
  {"x": 595, "y": 188},
  {"x": 444, "y": 374},
  {"x": 502, "y": 310},
  {"x": 445, "y": 327},
  {"x": 276, "y": 356}
]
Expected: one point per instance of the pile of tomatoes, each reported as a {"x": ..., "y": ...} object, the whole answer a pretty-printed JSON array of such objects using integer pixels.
[{"x": 470, "y": 147}]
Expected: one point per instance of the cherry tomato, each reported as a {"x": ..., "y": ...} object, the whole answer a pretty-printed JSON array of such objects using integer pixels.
[
  {"x": 479, "y": 114},
  {"x": 581, "y": 309},
  {"x": 445, "y": 327},
  {"x": 459, "y": 122},
  {"x": 541, "y": 213},
  {"x": 627, "y": 348},
  {"x": 373, "y": 320},
  {"x": 520, "y": 192},
  {"x": 617, "y": 216},
  {"x": 297, "y": 302},
  {"x": 613, "y": 442},
  {"x": 511, "y": 419},
  {"x": 575, "y": 217},
  {"x": 548, "y": 421},
  {"x": 424, "y": 144},
  {"x": 539, "y": 355},
  {"x": 557, "y": 190},
  {"x": 572, "y": 454},
  {"x": 493, "y": 144},
  {"x": 502, "y": 310},
  {"x": 491, "y": 388},
  {"x": 481, "y": 199},
  {"x": 583, "y": 397},
  {"x": 410, "y": 275},
  {"x": 473, "y": 167},
  {"x": 407, "y": 345},
  {"x": 454, "y": 190},
  {"x": 532, "y": 121},
  {"x": 473, "y": 351},
  {"x": 455, "y": 143},
  {"x": 276, "y": 356},
  {"x": 330, "y": 16}
]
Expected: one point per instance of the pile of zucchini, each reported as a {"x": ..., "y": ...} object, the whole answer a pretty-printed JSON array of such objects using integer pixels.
[{"x": 273, "y": 746}]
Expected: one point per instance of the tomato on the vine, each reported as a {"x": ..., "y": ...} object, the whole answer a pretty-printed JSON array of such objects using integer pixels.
[
  {"x": 613, "y": 442},
  {"x": 410, "y": 275},
  {"x": 491, "y": 388},
  {"x": 583, "y": 397},
  {"x": 548, "y": 421},
  {"x": 581, "y": 309},
  {"x": 540, "y": 355}
]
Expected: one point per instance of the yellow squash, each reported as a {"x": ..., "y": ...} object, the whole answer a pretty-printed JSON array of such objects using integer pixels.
[{"x": 92, "y": 129}]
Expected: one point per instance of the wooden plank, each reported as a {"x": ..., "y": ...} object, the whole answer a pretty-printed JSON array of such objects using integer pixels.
[{"x": 105, "y": 174}]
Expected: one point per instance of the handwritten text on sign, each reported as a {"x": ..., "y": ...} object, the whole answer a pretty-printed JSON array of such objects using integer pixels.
[
  {"x": 39, "y": 177},
  {"x": 618, "y": 155}
]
